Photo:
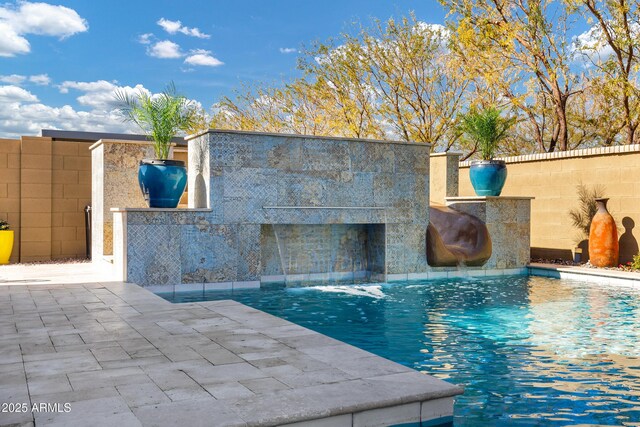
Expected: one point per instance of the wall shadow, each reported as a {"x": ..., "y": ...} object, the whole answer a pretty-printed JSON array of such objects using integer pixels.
[
  {"x": 584, "y": 245},
  {"x": 551, "y": 253},
  {"x": 628, "y": 243}
]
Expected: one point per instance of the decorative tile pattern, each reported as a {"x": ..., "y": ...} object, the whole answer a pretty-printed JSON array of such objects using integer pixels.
[
  {"x": 153, "y": 254},
  {"x": 246, "y": 172}
]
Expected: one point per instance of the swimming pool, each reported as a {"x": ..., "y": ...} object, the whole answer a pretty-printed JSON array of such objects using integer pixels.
[{"x": 528, "y": 350}]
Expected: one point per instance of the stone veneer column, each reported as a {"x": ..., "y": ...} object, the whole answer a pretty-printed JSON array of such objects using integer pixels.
[
  {"x": 35, "y": 200},
  {"x": 444, "y": 176},
  {"x": 508, "y": 220},
  {"x": 114, "y": 178}
]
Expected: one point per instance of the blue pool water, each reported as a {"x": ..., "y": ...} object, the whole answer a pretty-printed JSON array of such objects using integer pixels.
[{"x": 528, "y": 350}]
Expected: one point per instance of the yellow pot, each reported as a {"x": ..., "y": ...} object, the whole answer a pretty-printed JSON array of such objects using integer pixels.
[{"x": 6, "y": 246}]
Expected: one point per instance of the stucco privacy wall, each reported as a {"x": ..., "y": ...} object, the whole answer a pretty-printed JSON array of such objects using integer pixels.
[
  {"x": 552, "y": 179},
  {"x": 254, "y": 180},
  {"x": 44, "y": 187},
  {"x": 444, "y": 177},
  {"x": 10, "y": 189}
]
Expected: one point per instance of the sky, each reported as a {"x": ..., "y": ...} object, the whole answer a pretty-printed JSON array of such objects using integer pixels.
[{"x": 60, "y": 62}]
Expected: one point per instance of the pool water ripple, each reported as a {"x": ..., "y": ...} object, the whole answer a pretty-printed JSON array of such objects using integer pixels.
[{"x": 528, "y": 350}]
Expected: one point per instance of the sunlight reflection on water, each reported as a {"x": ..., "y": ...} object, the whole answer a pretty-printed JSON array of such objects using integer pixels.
[{"x": 528, "y": 350}]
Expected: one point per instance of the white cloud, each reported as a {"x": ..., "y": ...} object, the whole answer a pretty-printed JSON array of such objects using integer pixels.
[
  {"x": 17, "y": 79},
  {"x": 29, "y": 118},
  {"x": 11, "y": 43},
  {"x": 202, "y": 57},
  {"x": 145, "y": 38},
  {"x": 44, "y": 19},
  {"x": 99, "y": 95},
  {"x": 40, "y": 79},
  {"x": 173, "y": 27},
  {"x": 165, "y": 49},
  {"x": 14, "y": 79},
  {"x": 286, "y": 50},
  {"x": 22, "y": 114},
  {"x": 10, "y": 94},
  {"x": 591, "y": 46}
]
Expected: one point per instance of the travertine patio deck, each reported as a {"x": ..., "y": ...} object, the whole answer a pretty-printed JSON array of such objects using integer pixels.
[{"x": 121, "y": 355}]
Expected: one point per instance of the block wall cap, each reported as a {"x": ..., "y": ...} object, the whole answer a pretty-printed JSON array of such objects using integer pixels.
[
  {"x": 485, "y": 198},
  {"x": 122, "y": 141},
  {"x": 559, "y": 155},
  {"x": 447, "y": 154},
  {"x": 172, "y": 210},
  {"x": 295, "y": 135}
]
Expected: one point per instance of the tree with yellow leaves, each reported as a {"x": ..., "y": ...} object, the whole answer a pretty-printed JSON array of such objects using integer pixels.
[{"x": 523, "y": 48}]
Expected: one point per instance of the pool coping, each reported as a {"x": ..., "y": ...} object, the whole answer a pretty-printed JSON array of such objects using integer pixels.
[
  {"x": 594, "y": 275},
  {"x": 74, "y": 342}
]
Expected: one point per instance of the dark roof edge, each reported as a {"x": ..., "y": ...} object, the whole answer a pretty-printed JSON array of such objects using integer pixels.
[{"x": 72, "y": 135}]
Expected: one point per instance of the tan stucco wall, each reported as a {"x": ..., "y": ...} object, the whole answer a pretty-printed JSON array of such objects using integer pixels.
[
  {"x": 552, "y": 180},
  {"x": 44, "y": 187},
  {"x": 71, "y": 192},
  {"x": 10, "y": 189}
]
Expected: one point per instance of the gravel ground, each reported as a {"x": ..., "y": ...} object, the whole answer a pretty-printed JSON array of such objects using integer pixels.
[{"x": 621, "y": 267}]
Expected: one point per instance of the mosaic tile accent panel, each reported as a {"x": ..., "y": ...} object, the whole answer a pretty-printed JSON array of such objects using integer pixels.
[
  {"x": 208, "y": 253},
  {"x": 153, "y": 254},
  {"x": 249, "y": 257},
  {"x": 310, "y": 249},
  {"x": 270, "y": 261},
  {"x": 376, "y": 248}
]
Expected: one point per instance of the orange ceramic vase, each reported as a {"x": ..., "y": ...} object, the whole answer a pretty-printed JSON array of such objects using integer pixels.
[{"x": 603, "y": 237}]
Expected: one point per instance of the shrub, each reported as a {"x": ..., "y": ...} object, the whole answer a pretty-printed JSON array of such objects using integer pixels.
[
  {"x": 160, "y": 117},
  {"x": 581, "y": 217},
  {"x": 4, "y": 225},
  {"x": 485, "y": 129}
]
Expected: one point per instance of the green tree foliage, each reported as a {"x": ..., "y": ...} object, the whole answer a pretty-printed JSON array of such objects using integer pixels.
[
  {"x": 396, "y": 80},
  {"x": 408, "y": 80}
]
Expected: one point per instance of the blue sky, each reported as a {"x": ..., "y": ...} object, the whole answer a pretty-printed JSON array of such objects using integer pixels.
[{"x": 61, "y": 61}]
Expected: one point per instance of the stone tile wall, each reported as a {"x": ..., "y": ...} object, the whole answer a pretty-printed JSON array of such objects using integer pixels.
[
  {"x": 319, "y": 248},
  {"x": 301, "y": 184},
  {"x": 114, "y": 183},
  {"x": 508, "y": 220}
]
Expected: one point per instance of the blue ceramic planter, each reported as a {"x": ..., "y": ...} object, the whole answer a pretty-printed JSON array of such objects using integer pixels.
[
  {"x": 488, "y": 176},
  {"x": 162, "y": 182}
]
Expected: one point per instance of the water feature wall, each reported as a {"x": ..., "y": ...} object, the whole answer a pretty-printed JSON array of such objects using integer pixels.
[
  {"x": 322, "y": 252},
  {"x": 342, "y": 206},
  {"x": 269, "y": 207}
]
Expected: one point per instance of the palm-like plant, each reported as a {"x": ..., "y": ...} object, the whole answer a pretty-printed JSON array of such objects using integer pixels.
[
  {"x": 160, "y": 117},
  {"x": 581, "y": 217},
  {"x": 485, "y": 129}
]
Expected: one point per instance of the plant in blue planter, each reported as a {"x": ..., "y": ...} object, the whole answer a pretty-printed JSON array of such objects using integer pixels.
[
  {"x": 161, "y": 117},
  {"x": 485, "y": 129}
]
